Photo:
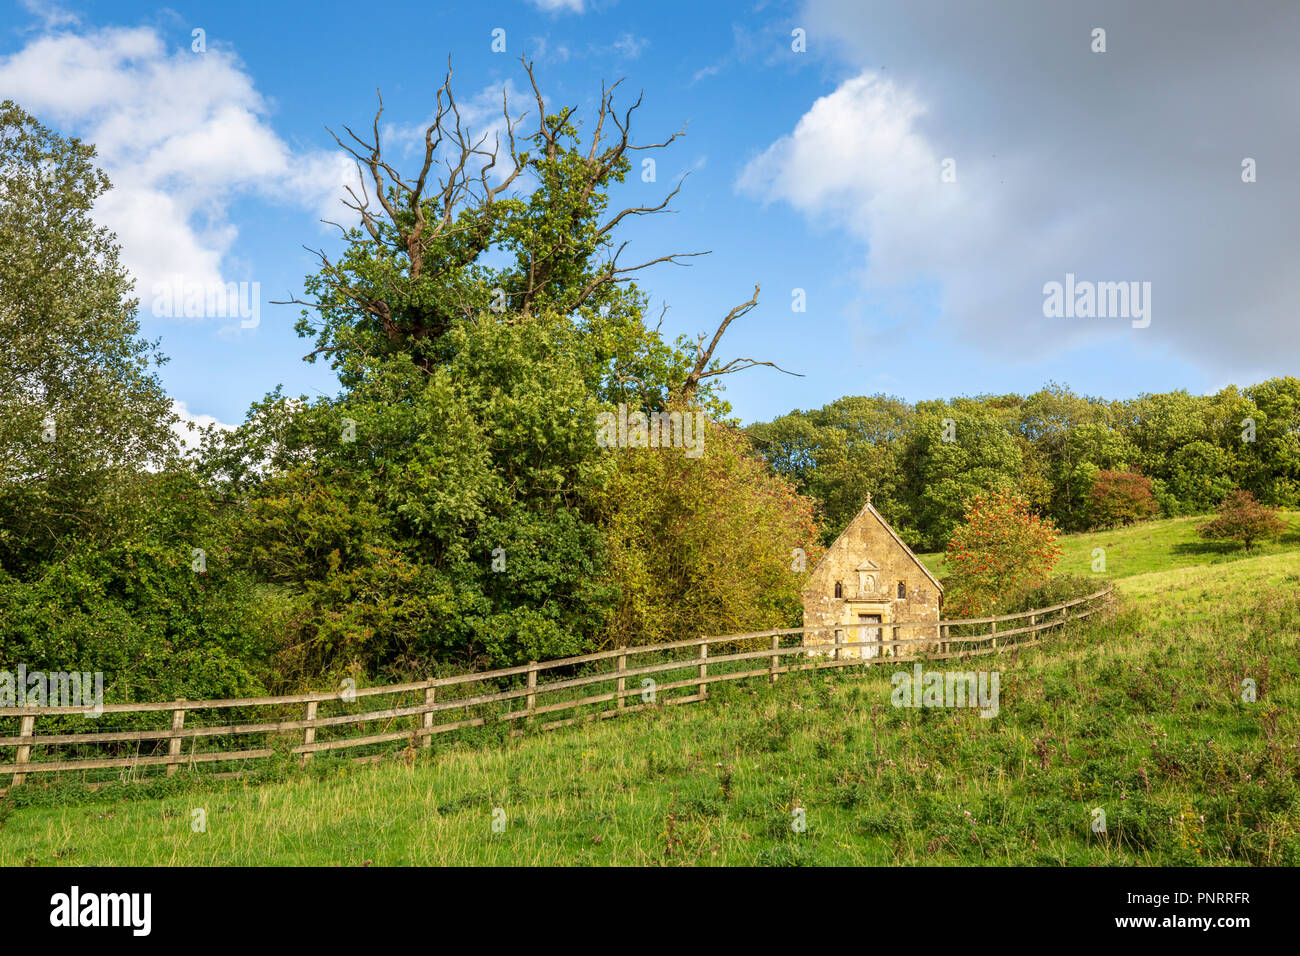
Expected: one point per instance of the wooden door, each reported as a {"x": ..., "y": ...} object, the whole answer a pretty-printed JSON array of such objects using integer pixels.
[{"x": 866, "y": 632}]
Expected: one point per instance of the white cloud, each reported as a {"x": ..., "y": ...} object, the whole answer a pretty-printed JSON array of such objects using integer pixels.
[
  {"x": 50, "y": 13},
  {"x": 706, "y": 71},
  {"x": 187, "y": 430},
  {"x": 1122, "y": 170},
  {"x": 180, "y": 134},
  {"x": 630, "y": 46},
  {"x": 858, "y": 160},
  {"x": 1123, "y": 166},
  {"x": 557, "y": 6}
]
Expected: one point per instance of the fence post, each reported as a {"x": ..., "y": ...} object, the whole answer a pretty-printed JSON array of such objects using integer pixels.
[
  {"x": 532, "y": 687},
  {"x": 426, "y": 719},
  {"x": 1033, "y": 627},
  {"x": 704, "y": 669},
  {"x": 24, "y": 750},
  {"x": 839, "y": 639},
  {"x": 309, "y": 734},
  {"x": 174, "y": 745},
  {"x": 944, "y": 642},
  {"x": 622, "y": 681},
  {"x": 893, "y": 639},
  {"x": 772, "y": 664},
  {"x": 994, "y": 632}
]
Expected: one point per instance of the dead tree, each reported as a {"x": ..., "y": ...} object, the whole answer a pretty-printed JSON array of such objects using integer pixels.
[
  {"x": 704, "y": 356},
  {"x": 440, "y": 221}
]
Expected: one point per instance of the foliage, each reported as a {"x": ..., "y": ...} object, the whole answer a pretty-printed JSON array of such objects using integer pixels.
[
  {"x": 98, "y": 520},
  {"x": 954, "y": 452},
  {"x": 839, "y": 454},
  {"x": 1120, "y": 498},
  {"x": 1242, "y": 518},
  {"x": 704, "y": 545},
  {"x": 1055, "y": 590},
  {"x": 140, "y": 610},
  {"x": 440, "y": 516},
  {"x": 925, "y": 460},
  {"x": 1000, "y": 549},
  {"x": 80, "y": 413}
]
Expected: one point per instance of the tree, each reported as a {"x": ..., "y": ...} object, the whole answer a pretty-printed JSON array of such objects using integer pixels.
[
  {"x": 1000, "y": 549},
  {"x": 1200, "y": 475},
  {"x": 1120, "y": 498},
  {"x": 419, "y": 518},
  {"x": 1172, "y": 434},
  {"x": 709, "y": 545},
  {"x": 839, "y": 454},
  {"x": 1052, "y": 420},
  {"x": 1272, "y": 447},
  {"x": 479, "y": 321},
  {"x": 453, "y": 240},
  {"x": 952, "y": 453},
  {"x": 81, "y": 414},
  {"x": 1242, "y": 518},
  {"x": 104, "y": 536}
]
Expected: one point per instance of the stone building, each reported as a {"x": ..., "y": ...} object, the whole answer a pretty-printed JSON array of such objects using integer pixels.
[{"x": 867, "y": 580}]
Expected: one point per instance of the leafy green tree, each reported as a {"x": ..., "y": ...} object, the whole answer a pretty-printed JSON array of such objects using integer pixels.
[
  {"x": 450, "y": 505},
  {"x": 952, "y": 453},
  {"x": 456, "y": 239},
  {"x": 1056, "y": 477},
  {"x": 109, "y": 550},
  {"x": 1199, "y": 475},
  {"x": 709, "y": 545},
  {"x": 81, "y": 414},
  {"x": 1272, "y": 453},
  {"x": 840, "y": 454},
  {"x": 432, "y": 516},
  {"x": 1172, "y": 435}
]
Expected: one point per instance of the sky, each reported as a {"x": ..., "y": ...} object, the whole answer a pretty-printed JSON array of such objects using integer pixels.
[{"x": 905, "y": 181}]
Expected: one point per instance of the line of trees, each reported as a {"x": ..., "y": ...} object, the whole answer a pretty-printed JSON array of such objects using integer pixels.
[{"x": 1084, "y": 462}]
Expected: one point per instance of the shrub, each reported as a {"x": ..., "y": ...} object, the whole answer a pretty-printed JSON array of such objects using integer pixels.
[
  {"x": 1000, "y": 549},
  {"x": 139, "y": 613},
  {"x": 1242, "y": 518},
  {"x": 1055, "y": 590},
  {"x": 707, "y": 545}
]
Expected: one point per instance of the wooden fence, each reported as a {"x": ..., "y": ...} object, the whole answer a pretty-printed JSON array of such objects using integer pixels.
[{"x": 476, "y": 700}]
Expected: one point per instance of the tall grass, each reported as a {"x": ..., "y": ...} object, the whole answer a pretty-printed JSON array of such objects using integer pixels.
[{"x": 1140, "y": 714}]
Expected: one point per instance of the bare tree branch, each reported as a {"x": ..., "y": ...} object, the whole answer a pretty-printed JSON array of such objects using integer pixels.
[{"x": 704, "y": 356}]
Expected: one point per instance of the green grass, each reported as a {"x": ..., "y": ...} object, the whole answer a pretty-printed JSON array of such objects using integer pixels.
[
  {"x": 1152, "y": 546},
  {"x": 1139, "y": 713}
]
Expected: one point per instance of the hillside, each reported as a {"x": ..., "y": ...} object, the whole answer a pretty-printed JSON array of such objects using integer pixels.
[
  {"x": 1151, "y": 546},
  {"x": 1139, "y": 714}
]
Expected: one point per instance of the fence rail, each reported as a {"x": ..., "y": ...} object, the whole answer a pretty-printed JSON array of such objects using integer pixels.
[{"x": 444, "y": 695}]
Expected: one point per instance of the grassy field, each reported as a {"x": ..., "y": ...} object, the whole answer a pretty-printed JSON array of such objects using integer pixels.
[
  {"x": 1152, "y": 546},
  {"x": 1140, "y": 715}
]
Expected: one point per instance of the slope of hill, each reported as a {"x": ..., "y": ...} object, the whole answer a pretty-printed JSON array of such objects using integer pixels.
[
  {"x": 1152, "y": 546},
  {"x": 1140, "y": 717}
]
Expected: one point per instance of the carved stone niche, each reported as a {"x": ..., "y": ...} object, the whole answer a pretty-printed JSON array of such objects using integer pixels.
[{"x": 868, "y": 579}]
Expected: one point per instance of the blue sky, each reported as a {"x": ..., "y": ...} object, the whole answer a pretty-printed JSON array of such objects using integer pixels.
[{"x": 818, "y": 170}]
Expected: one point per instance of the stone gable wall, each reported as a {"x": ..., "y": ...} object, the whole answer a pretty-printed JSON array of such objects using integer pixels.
[{"x": 866, "y": 538}]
